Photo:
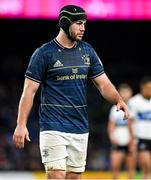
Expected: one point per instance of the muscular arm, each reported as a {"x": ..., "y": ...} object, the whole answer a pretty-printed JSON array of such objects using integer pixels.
[
  {"x": 107, "y": 89},
  {"x": 26, "y": 101},
  {"x": 25, "y": 106},
  {"x": 110, "y": 93}
]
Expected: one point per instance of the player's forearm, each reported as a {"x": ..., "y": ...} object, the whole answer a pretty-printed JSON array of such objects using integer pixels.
[
  {"x": 107, "y": 89},
  {"x": 109, "y": 92},
  {"x": 25, "y": 106}
]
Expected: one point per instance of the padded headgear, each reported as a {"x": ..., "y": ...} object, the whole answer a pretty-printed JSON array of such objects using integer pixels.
[{"x": 70, "y": 14}]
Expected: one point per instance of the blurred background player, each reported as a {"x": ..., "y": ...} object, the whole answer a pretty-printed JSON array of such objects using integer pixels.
[
  {"x": 140, "y": 110},
  {"x": 120, "y": 137}
]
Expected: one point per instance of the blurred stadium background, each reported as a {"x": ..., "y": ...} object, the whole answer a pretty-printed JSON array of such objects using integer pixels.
[{"x": 119, "y": 30}]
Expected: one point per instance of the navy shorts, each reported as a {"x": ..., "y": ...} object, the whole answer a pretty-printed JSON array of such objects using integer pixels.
[
  {"x": 144, "y": 145},
  {"x": 124, "y": 149}
]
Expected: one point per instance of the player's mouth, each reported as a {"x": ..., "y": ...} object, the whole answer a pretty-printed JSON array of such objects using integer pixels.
[{"x": 80, "y": 34}]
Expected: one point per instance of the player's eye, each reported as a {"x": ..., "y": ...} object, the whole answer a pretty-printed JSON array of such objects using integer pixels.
[
  {"x": 81, "y": 22},
  {"x": 78, "y": 22}
]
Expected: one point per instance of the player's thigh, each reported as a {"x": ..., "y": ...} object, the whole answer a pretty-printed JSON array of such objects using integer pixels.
[
  {"x": 77, "y": 152},
  {"x": 53, "y": 151},
  {"x": 131, "y": 160},
  {"x": 144, "y": 158},
  {"x": 117, "y": 158}
]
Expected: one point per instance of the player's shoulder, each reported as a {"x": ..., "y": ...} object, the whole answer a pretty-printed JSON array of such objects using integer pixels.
[
  {"x": 45, "y": 48},
  {"x": 135, "y": 99},
  {"x": 85, "y": 44}
]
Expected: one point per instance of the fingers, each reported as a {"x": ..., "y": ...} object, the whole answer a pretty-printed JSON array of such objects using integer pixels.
[
  {"x": 126, "y": 115},
  {"x": 19, "y": 141},
  {"x": 20, "y": 135},
  {"x": 118, "y": 107},
  {"x": 124, "y": 108},
  {"x": 27, "y": 138}
]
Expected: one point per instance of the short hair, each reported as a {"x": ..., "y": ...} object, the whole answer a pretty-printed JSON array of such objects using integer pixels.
[
  {"x": 144, "y": 80},
  {"x": 123, "y": 86}
]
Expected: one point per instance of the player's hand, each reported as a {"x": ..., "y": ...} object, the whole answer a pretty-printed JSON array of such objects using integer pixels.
[
  {"x": 122, "y": 106},
  {"x": 20, "y": 134}
]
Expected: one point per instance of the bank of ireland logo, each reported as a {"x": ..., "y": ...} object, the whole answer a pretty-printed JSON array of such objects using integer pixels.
[
  {"x": 86, "y": 59},
  {"x": 74, "y": 70}
]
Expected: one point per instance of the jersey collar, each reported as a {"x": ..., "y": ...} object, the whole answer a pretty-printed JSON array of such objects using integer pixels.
[{"x": 55, "y": 40}]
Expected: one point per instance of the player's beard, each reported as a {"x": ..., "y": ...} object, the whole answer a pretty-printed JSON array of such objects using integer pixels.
[{"x": 76, "y": 37}]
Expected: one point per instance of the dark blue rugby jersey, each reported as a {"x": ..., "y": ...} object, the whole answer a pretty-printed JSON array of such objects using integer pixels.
[{"x": 63, "y": 74}]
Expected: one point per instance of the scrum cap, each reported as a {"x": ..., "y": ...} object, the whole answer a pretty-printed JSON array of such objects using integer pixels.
[{"x": 70, "y": 14}]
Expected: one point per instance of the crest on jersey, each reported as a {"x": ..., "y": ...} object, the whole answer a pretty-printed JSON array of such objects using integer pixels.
[
  {"x": 86, "y": 59},
  {"x": 45, "y": 152}
]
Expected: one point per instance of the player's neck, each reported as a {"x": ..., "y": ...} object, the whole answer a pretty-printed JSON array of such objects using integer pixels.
[{"x": 64, "y": 40}]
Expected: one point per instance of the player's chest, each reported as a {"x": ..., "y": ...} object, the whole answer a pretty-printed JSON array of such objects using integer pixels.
[{"x": 69, "y": 62}]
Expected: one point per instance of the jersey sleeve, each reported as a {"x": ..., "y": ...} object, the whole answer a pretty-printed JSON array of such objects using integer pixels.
[
  {"x": 36, "y": 68},
  {"x": 96, "y": 66}
]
